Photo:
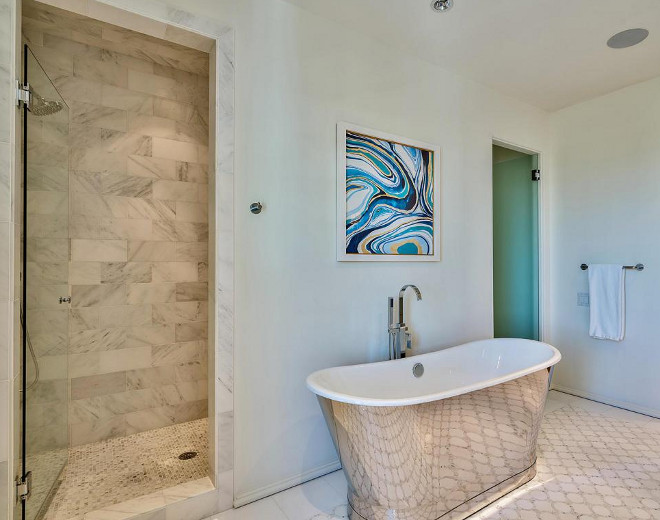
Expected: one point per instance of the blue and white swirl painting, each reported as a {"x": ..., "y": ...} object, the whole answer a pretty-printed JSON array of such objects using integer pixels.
[{"x": 389, "y": 197}]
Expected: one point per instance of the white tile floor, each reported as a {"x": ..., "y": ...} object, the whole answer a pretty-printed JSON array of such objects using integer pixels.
[{"x": 595, "y": 462}]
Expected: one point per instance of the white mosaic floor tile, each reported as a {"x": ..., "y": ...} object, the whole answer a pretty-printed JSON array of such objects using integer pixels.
[
  {"x": 116, "y": 471},
  {"x": 595, "y": 462}
]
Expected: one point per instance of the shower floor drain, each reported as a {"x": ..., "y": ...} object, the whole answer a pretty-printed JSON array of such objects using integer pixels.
[{"x": 187, "y": 455}]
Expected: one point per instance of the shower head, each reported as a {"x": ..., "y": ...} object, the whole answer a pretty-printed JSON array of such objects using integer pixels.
[{"x": 43, "y": 107}]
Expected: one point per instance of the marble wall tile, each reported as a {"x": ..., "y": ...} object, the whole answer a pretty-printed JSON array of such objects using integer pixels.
[
  {"x": 98, "y": 116},
  {"x": 175, "y": 190},
  {"x": 48, "y": 226},
  {"x": 125, "y": 272},
  {"x": 191, "y": 331},
  {"x": 152, "y": 125},
  {"x": 191, "y": 172},
  {"x": 126, "y": 316},
  {"x": 118, "y": 185},
  {"x": 153, "y": 167},
  {"x": 180, "y": 312},
  {"x": 92, "y": 205},
  {"x": 104, "y": 362},
  {"x": 151, "y": 293},
  {"x": 76, "y": 88},
  {"x": 85, "y": 250},
  {"x": 150, "y": 377},
  {"x": 84, "y": 318},
  {"x": 84, "y": 273},
  {"x": 175, "y": 271},
  {"x": 178, "y": 353},
  {"x": 132, "y": 229},
  {"x": 84, "y": 341},
  {"x": 91, "y": 386},
  {"x": 85, "y": 433},
  {"x": 141, "y": 251},
  {"x": 191, "y": 251},
  {"x": 177, "y": 150},
  {"x": 159, "y": 334},
  {"x": 191, "y": 291},
  {"x": 99, "y": 71},
  {"x": 124, "y": 99},
  {"x": 192, "y": 212},
  {"x": 99, "y": 295},
  {"x": 151, "y": 209}
]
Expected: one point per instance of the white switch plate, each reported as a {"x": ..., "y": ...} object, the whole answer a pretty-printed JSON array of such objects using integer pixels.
[{"x": 583, "y": 299}]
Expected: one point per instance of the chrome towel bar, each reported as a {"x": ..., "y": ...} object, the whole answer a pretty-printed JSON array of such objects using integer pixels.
[{"x": 636, "y": 267}]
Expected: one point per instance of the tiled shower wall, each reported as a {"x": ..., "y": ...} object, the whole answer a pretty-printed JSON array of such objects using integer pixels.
[{"x": 138, "y": 181}]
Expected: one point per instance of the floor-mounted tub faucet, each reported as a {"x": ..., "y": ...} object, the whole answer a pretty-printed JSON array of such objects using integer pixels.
[{"x": 399, "y": 338}]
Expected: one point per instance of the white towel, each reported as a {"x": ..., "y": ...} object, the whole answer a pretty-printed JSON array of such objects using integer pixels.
[{"x": 607, "y": 301}]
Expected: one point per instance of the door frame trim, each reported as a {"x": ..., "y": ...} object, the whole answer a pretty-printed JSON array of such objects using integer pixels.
[{"x": 543, "y": 294}]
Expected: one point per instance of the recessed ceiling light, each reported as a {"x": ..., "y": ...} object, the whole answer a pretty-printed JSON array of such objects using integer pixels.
[
  {"x": 442, "y": 5},
  {"x": 627, "y": 38}
]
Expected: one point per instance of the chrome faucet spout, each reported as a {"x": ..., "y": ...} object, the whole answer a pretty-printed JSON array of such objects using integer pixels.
[{"x": 401, "y": 293}]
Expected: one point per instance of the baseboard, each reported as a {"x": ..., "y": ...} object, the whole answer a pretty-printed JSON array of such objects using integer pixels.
[
  {"x": 266, "y": 491},
  {"x": 606, "y": 400}
]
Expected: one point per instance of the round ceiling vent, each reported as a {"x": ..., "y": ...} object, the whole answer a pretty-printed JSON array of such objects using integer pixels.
[
  {"x": 442, "y": 5},
  {"x": 627, "y": 38}
]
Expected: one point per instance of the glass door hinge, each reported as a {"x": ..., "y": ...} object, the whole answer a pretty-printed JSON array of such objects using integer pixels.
[
  {"x": 24, "y": 487},
  {"x": 536, "y": 175},
  {"x": 22, "y": 94}
]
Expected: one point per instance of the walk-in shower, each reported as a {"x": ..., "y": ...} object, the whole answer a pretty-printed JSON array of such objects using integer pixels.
[{"x": 115, "y": 262}]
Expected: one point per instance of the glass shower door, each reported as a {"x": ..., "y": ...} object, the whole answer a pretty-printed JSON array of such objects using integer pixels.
[{"x": 45, "y": 309}]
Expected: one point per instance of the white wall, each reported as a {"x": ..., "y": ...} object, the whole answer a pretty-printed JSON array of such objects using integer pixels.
[
  {"x": 606, "y": 209},
  {"x": 297, "y": 309}
]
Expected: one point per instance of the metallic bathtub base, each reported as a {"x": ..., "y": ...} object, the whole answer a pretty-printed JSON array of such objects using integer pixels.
[{"x": 445, "y": 459}]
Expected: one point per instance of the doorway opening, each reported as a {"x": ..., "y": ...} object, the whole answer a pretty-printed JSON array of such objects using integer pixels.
[{"x": 516, "y": 178}]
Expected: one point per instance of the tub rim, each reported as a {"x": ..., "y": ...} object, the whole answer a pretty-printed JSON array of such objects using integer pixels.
[{"x": 320, "y": 390}]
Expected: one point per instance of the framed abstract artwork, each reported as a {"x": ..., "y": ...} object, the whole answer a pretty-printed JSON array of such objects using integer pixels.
[{"x": 386, "y": 197}]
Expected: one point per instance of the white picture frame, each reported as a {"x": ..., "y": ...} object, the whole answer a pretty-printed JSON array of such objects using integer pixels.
[{"x": 342, "y": 255}]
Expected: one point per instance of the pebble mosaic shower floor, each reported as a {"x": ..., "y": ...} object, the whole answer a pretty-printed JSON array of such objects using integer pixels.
[{"x": 104, "y": 473}]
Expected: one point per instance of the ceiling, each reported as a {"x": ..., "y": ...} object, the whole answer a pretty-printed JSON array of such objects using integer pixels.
[{"x": 549, "y": 53}]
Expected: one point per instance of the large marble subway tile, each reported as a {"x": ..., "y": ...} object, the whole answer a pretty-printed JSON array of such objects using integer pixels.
[
  {"x": 192, "y": 212},
  {"x": 46, "y": 296},
  {"x": 48, "y": 177},
  {"x": 144, "y": 251},
  {"x": 68, "y": 47},
  {"x": 150, "y": 419},
  {"x": 84, "y": 226},
  {"x": 176, "y": 150},
  {"x": 102, "y": 384},
  {"x": 126, "y": 316},
  {"x": 152, "y": 125},
  {"x": 42, "y": 273},
  {"x": 191, "y": 331},
  {"x": 109, "y": 361},
  {"x": 84, "y": 273},
  {"x": 225, "y": 428},
  {"x": 191, "y": 231},
  {"x": 203, "y": 271},
  {"x": 77, "y": 89},
  {"x": 192, "y": 172},
  {"x": 126, "y": 272},
  {"x": 93, "y": 205},
  {"x": 47, "y": 249},
  {"x": 48, "y": 226},
  {"x": 192, "y": 132},
  {"x": 152, "y": 84},
  {"x": 151, "y": 209},
  {"x": 175, "y": 271},
  {"x": 131, "y": 228},
  {"x": 48, "y": 202},
  {"x": 98, "y": 116},
  {"x": 191, "y": 291},
  {"x": 179, "y": 312},
  {"x": 84, "y": 250},
  {"x": 84, "y": 318},
  {"x": 150, "y": 335},
  {"x": 100, "y": 71},
  {"x": 151, "y": 167},
  {"x": 56, "y": 64},
  {"x": 124, "y": 99},
  {"x": 95, "y": 340},
  {"x": 177, "y": 111},
  {"x": 150, "y": 377},
  {"x": 105, "y": 295},
  {"x": 192, "y": 251},
  {"x": 193, "y": 371},
  {"x": 48, "y": 392},
  {"x": 151, "y": 293},
  {"x": 49, "y": 320},
  {"x": 175, "y": 190},
  {"x": 86, "y": 433},
  {"x": 178, "y": 353},
  {"x": 119, "y": 185}
]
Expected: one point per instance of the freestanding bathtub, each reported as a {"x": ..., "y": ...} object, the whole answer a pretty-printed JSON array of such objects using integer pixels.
[{"x": 444, "y": 444}]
